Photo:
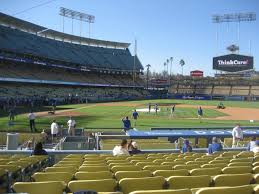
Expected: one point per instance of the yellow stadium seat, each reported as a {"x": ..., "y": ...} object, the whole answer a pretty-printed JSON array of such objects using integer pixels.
[
  {"x": 196, "y": 163},
  {"x": 256, "y": 170},
  {"x": 184, "y": 166},
  {"x": 241, "y": 160},
  {"x": 93, "y": 168},
  {"x": 219, "y": 162},
  {"x": 103, "y": 185},
  {"x": 128, "y": 185},
  {"x": 125, "y": 168},
  {"x": 117, "y": 161},
  {"x": 157, "y": 167},
  {"x": 246, "y": 189},
  {"x": 205, "y": 171},
  {"x": 240, "y": 164},
  {"x": 93, "y": 175},
  {"x": 75, "y": 156},
  {"x": 132, "y": 174},
  {"x": 256, "y": 178},
  {"x": 52, "y": 176},
  {"x": 220, "y": 165},
  {"x": 232, "y": 179},
  {"x": 142, "y": 164},
  {"x": 167, "y": 191},
  {"x": 183, "y": 182},
  {"x": 10, "y": 168},
  {"x": 245, "y": 154},
  {"x": 52, "y": 187},
  {"x": 22, "y": 164},
  {"x": 70, "y": 169},
  {"x": 168, "y": 173},
  {"x": 119, "y": 164},
  {"x": 203, "y": 159},
  {"x": 158, "y": 161},
  {"x": 256, "y": 189},
  {"x": 173, "y": 163},
  {"x": 230, "y": 153},
  {"x": 237, "y": 169}
]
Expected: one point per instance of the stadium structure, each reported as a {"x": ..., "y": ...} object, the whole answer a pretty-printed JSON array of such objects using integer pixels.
[{"x": 40, "y": 64}]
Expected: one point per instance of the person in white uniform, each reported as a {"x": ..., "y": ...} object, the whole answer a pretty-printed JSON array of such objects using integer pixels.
[
  {"x": 54, "y": 129},
  {"x": 71, "y": 123},
  {"x": 237, "y": 135}
]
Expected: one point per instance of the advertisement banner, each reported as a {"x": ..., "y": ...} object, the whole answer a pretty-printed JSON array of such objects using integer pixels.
[{"x": 233, "y": 63}]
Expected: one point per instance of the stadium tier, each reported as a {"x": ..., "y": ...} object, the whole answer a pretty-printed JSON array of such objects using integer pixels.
[
  {"x": 234, "y": 172},
  {"x": 51, "y": 62}
]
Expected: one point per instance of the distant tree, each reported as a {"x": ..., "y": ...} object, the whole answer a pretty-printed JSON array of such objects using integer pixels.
[{"x": 182, "y": 63}]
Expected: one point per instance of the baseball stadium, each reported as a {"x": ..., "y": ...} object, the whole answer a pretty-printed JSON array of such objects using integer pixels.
[{"x": 89, "y": 112}]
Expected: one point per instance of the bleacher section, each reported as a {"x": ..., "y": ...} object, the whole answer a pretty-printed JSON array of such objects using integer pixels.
[{"x": 231, "y": 172}]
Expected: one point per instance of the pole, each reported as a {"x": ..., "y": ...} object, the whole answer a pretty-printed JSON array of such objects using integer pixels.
[
  {"x": 63, "y": 24},
  {"x": 217, "y": 39},
  {"x": 238, "y": 34},
  {"x": 72, "y": 26}
]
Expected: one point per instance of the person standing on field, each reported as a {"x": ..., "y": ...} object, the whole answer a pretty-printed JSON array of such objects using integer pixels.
[
  {"x": 200, "y": 113},
  {"x": 135, "y": 116},
  {"x": 31, "y": 118},
  {"x": 71, "y": 123},
  {"x": 237, "y": 135},
  {"x": 54, "y": 129}
]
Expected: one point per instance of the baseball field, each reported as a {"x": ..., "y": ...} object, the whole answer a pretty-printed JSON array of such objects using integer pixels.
[{"x": 108, "y": 115}]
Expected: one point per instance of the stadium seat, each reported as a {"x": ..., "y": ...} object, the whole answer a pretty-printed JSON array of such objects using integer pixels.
[
  {"x": 93, "y": 175},
  {"x": 157, "y": 167},
  {"x": 169, "y": 173},
  {"x": 183, "y": 182},
  {"x": 256, "y": 170},
  {"x": 241, "y": 160},
  {"x": 103, "y": 185},
  {"x": 205, "y": 171},
  {"x": 69, "y": 169},
  {"x": 237, "y": 169},
  {"x": 132, "y": 174},
  {"x": 245, "y": 154},
  {"x": 168, "y": 191},
  {"x": 173, "y": 163},
  {"x": 93, "y": 168},
  {"x": 240, "y": 164},
  {"x": 128, "y": 185},
  {"x": 52, "y": 176},
  {"x": 187, "y": 167},
  {"x": 232, "y": 179},
  {"x": 52, "y": 187},
  {"x": 221, "y": 165},
  {"x": 256, "y": 178},
  {"x": 125, "y": 168},
  {"x": 246, "y": 189},
  {"x": 142, "y": 164}
]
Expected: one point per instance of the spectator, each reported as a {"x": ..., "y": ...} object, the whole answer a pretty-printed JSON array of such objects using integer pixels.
[
  {"x": 39, "y": 150},
  {"x": 186, "y": 146},
  {"x": 44, "y": 136},
  {"x": 29, "y": 145},
  {"x": 135, "y": 116},
  {"x": 237, "y": 135},
  {"x": 121, "y": 149},
  {"x": 32, "y": 117},
  {"x": 256, "y": 148},
  {"x": 251, "y": 144},
  {"x": 126, "y": 123},
  {"x": 134, "y": 148},
  {"x": 54, "y": 129},
  {"x": 215, "y": 146},
  {"x": 71, "y": 126}
]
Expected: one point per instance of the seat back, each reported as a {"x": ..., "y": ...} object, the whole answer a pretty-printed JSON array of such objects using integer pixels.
[
  {"x": 128, "y": 185},
  {"x": 167, "y": 191},
  {"x": 182, "y": 182},
  {"x": 237, "y": 169},
  {"x": 246, "y": 189},
  {"x": 125, "y": 168},
  {"x": 93, "y": 175},
  {"x": 103, "y": 185},
  {"x": 94, "y": 168},
  {"x": 52, "y": 176},
  {"x": 132, "y": 174},
  {"x": 205, "y": 171},
  {"x": 70, "y": 169},
  {"x": 168, "y": 173},
  {"x": 232, "y": 179},
  {"x": 51, "y": 187}
]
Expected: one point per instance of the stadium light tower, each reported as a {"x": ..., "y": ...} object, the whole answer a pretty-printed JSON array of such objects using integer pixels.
[
  {"x": 82, "y": 17},
  {"x": 235, "y": 17}
]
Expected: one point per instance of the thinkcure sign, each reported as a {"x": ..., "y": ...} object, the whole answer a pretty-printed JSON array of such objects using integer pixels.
[{"x": 233, "y": 63}]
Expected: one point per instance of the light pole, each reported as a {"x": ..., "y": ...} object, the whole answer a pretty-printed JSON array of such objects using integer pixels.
[
  {"x": 171, "y": 60},
  {"x": 148, "y": 66}
]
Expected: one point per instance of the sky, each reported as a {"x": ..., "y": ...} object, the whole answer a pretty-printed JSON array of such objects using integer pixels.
[{"x": 182, "y": 29}]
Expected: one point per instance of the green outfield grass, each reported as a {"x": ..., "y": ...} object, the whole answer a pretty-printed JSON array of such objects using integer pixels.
[{"x": 102, "y": 116}]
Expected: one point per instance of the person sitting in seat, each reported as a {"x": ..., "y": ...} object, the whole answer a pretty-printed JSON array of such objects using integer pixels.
[
  {"x": 133, "y": 148},
  {"x": 39, "y": 150},
  {"x": 251, "y": 144},
  {"x": 256, "y": 148},
  {"x": 186, "y": 146},
  {"x": 121, "y": 149},
  {"x": 215, "y": 146}
]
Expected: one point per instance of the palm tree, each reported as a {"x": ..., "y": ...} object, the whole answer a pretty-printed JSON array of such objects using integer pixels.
[
  {"x": 148, "y": 66},
  {"x": 182, "y": 63}
]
